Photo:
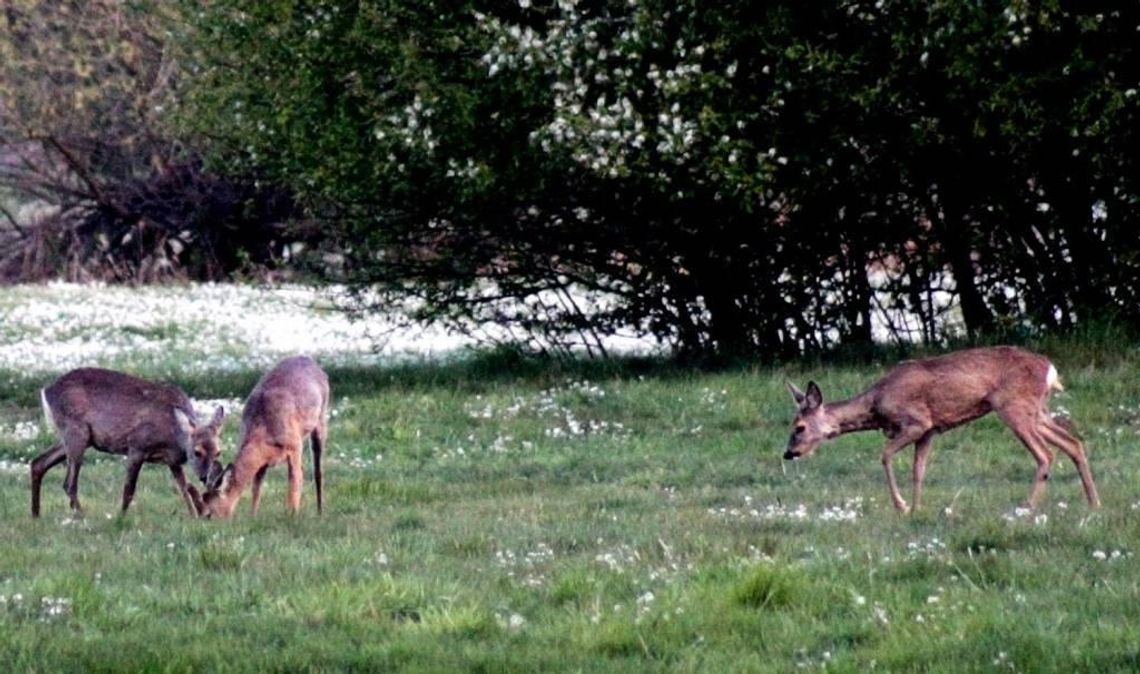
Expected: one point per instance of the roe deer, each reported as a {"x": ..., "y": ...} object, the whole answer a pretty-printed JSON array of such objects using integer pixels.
[
  {"x": 289, "y": 402},
  {"x": 116, "y": 413},
  {"x": 919, "y": 399}
]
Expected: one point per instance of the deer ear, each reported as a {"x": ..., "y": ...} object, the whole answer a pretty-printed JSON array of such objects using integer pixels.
[
  {"x": 184, "y": 423},
  {"x": 227, "y": 476},
  {"x": 797, "y": 394},
  {"x": 214, "y": 475},
  {"x": 219, "y": 416},
  {"x": 814, "y": 397}
]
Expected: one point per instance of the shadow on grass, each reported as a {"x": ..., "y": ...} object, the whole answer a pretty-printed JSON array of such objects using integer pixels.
[{"x": 475, "y": 370}]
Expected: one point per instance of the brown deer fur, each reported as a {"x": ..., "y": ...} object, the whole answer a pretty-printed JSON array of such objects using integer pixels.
[
  {"x": 919, "y": 399},
  {"x": 119, "y": 414},
  {"x": 288, "y": 404}
]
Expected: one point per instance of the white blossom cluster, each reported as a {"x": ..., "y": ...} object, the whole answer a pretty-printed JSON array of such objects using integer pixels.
[
  {"x": 412, "y": 127},
  {"x": 933, "y": 548},
  {"x": 319, "y": 19},
  {"x": 20, "y": 431},
  {"x": 851, "y": 509},
  {"x": 619, "y": 92},
  {"x": 1102, "y": 556},
  {"x": 8, "y": 467},
  {"x": 549, "y": 404},
  {"x": 526, "y": 566},
  {"x": 618, "y": 559},
  {"x": 47, "y": 329},
  {"x": 48, "y": 609},
  {"x": 512, "y": 622}
]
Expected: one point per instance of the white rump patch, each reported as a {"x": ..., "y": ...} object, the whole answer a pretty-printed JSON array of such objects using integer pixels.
[
  {"x": 1053, "y": 379},
  {"x": 47, "y": 410}
]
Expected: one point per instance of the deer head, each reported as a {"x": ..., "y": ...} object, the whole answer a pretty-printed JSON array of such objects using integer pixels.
[
  {"x": 216, "y": 501},
  {"x": 201, "y": 442},
  {"x": 812, "y": 424}
]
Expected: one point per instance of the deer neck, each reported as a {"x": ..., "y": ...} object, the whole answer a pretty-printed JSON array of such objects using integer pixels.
[
  {"x": 853, "y": 414},
  {"x": 246, "y": 465}
]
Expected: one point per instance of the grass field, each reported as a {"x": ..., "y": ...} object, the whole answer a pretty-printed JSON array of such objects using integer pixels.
[{"x": 488, "y": 514}]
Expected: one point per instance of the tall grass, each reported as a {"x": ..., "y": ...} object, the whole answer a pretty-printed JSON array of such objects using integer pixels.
[{"x": 497, "y": 514}]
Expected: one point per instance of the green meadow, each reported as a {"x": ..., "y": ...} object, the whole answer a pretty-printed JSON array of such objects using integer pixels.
[{"x": 494, "y": 514}]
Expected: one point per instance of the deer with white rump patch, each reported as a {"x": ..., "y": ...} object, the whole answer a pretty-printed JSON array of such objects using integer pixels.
[
  {"x": 116, "y": 413},
  {"x": 919, "y": 399},
  {"x": 288, "y": 404}
]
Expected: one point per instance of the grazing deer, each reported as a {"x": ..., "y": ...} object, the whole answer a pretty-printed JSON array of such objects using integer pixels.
[
  {"x": 919, "y": 399},
  {"x": 289, "y": 402},
  {"x": 116, "y": 413}
]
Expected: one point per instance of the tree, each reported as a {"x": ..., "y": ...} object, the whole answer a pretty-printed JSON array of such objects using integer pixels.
[
  {"x": 85, "y": 92},
  {"x": 733, "y": 179}
]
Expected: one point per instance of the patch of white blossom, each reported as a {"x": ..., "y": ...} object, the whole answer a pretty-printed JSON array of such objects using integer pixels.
[
  {"x": 526, "y": 566},
  {"x": 46, "y": 329},
  {"x": 47, "y": 609},
  {"x": 619, "y": 91},
  {"x": 849, "y": 510},
  {"x": 557, "y": 406},
  {"x": 411, "y": 128}
]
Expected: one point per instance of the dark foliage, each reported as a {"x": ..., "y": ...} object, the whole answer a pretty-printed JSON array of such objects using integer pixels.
[{"x": 736, "y": 179}]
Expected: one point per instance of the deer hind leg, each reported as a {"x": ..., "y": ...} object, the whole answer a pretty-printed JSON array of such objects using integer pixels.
[
  {"x": 75, "y": 444},
  {"x": 255, "y": 489},
  {"x": 1025, "y": 424},
  {"x": 55, "y": 455},
  {"x": 1067, "y": 441},
  {"x": 71, "y": 482},
  {"x": 921, "y": 453},
  {"x": 188, "y": 494}
]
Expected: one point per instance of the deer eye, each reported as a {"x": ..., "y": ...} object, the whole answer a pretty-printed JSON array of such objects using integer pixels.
[{"x": 800, "y": 429}]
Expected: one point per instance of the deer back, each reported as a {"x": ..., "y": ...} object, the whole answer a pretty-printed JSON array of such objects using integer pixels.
[
  {"x": 957, "y": 387},
  {"x": 933, "y": 393},
  {"x": 116, "y": 412},
  {"x": 288, "y": 401}
]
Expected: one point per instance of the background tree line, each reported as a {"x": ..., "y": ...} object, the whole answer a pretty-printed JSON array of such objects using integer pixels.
[{"x": 735, "y": 177}]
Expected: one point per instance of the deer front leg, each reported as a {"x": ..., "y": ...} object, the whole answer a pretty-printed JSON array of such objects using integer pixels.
[
  {"x": 892, "y": 448},
  {"x": 921, "y": 452},
  {"x": 255, "y": 490},
  {"x": 134, "y": 465},
  {"x": 296, "y": 478},
  {"x": 184, "y": 490}
]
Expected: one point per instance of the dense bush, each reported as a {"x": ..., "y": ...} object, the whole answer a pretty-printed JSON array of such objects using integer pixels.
[
  {"x": 729, "y": 179},
  {"x": 734, "y": 179}
]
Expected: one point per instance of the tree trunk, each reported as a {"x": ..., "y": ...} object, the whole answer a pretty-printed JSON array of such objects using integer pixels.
[{"x": 954, "y": 235}]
